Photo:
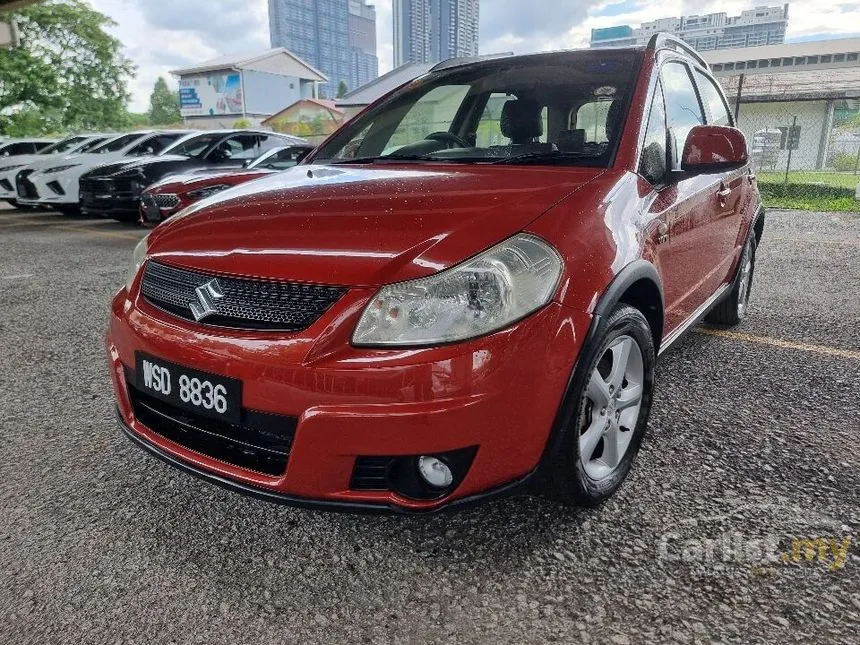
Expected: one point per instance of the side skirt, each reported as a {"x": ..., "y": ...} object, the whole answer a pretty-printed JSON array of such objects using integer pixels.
[{"x": 697, "y": 316}]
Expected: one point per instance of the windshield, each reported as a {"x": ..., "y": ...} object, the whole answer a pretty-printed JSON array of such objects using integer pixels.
[
  {"x": 194, "y": 146},
  {"x": 280, "y": 159},
  {"x": 62, "y": 146},
  {"x": 115, "y": 145},
  {"x": 555, "y": 108},
  {"x": 89, "y": 145}
]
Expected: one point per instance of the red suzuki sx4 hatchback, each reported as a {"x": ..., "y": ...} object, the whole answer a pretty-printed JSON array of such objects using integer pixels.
[{"x": 464, "y": 287}]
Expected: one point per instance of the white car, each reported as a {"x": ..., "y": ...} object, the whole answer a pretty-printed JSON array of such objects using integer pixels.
[
  {"x": 55, "y": 182},
  {"x": 12, "y": 165}
]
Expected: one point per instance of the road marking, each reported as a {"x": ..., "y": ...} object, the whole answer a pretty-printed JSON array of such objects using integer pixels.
[
  {"x": 30, "y": 223},
  {"x": 778, "y": 342},
  {"x": 18, "y": 276},
  {"x": 86, "y": 231},
  {"x": 811, "y": 240}
]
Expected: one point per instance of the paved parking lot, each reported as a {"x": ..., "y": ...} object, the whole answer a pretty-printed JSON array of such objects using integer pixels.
[{"x": 753, "y": 443}]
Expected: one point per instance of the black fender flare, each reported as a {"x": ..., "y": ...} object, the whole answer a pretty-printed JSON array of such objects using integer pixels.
[{"x": 631, "y": 274}]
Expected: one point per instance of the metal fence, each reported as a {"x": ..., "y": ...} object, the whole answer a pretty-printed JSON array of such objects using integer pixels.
[{"x": 803, "y": 131}]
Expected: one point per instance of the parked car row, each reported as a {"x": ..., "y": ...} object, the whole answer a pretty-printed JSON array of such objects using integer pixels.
[{"x": 106, "y": 174}]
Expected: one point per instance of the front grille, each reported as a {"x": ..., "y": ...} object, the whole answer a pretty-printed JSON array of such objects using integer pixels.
[
  {"x": 261, "y": 443},
  {"x": 6, "y": 184},
  {"x": 95, "y": 185},
  {"x": 26, "y": 188},
  {"x": 245, "y": 303},
  {"x": 165, "y": 200},
  {"x": 371, "y": 473}
]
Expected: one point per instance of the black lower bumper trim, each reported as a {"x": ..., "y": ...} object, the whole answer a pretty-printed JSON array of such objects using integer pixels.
[{"x": 314, "y": 504}]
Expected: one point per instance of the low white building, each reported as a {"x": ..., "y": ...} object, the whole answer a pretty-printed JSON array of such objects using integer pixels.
[
  {"x": 796, "y": 89},
  {"x": 251, "y": 86}
]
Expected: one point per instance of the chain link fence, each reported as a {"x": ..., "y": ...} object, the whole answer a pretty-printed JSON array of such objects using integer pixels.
[{"x": 804, "y": 135}]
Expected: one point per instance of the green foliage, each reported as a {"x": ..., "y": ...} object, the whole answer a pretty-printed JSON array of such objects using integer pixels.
[
  {"x": 811, "y": 197},
  {"x": 342, "y": 89},
  {"x": 844, "y": 161},
  {"x": 163, "y": 104},
  {"x": 241, "y": 123},
  {"x": 67, "y": 69},
  {"x": 135, "y": 120}
]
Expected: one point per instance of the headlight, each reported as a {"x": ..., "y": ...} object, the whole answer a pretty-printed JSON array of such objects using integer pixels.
[
  {"x": 480, "y": 296},
  {"x": 203, "y": 193},
  {"x": 50, "y": 171},
  {"x": 137, "y": 259}
]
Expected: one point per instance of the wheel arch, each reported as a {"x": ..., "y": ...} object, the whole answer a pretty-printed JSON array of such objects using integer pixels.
[
  {"x": 638, "y": 285},
  {"x": 758, "y": 224}
]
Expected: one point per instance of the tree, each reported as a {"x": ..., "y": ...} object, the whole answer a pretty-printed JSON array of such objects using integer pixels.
[
  {"x": 67, "y": 68},
  {"x": 163, "y": 104},
  {"x": 342, "y": 89},
  {"x": 240, "y": 124}
]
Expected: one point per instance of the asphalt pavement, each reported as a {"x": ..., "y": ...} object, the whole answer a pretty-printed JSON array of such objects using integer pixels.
[{"x": 753, "y": 445}]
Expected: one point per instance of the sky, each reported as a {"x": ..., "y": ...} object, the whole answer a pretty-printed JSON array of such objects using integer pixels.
[{"x": 161, "y": 35}]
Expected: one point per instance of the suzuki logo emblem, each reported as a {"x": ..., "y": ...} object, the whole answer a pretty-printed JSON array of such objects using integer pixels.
[{"x": 207, "y": 295}]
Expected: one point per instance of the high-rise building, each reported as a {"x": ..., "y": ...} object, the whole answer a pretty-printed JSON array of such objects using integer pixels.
[
  {"x": 338, "y": 37},
  {"x": 753, "y": 28},
  {"x": 362, "y": 40},
  {"x": 429, "y": 31}
]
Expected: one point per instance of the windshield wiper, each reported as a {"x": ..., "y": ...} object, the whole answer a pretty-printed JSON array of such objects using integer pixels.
[
  {"x": 377, "y": 158},
  {"x": 556, "y": 155}
]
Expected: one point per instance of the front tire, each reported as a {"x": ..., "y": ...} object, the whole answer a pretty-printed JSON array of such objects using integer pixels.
[
  {"x": 733, "y": 308},
  {"x": 612, "y": 403}
]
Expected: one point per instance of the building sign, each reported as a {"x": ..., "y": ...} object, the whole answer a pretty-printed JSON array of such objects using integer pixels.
[{"x": 211, "y": 95}]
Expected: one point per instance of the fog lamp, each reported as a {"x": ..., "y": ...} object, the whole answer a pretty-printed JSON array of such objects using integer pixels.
[{"x": 435, "y": 472}]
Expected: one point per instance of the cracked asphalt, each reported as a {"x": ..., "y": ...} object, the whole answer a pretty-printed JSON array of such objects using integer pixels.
[{"x": 751, "y": 445}]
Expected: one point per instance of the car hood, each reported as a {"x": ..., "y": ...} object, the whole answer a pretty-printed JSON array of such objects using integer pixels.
[
  {"x": 82, "y": 162},
  {"x": 16, "y": 160},
  {"x": 126, "y": 164},
  {"x": 368, "y": 225},
  {"x": 205, "y": 177}
]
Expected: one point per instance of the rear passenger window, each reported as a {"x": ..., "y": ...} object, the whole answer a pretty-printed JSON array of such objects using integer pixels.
[
  {"x": 489, "y": 131},
  {"x": 592, "y": 118},
  {"x": 683, "y": 110},
  {"x": 712, "y": 97}
]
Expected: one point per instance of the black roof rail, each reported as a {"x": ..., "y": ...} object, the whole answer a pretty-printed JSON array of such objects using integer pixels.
[
  {"x": 668, "y": 41},
  {"x": 465, "y": 60}
]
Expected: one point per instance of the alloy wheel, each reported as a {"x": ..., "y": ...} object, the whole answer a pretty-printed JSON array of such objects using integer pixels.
[{"x": 613, "y": 400}]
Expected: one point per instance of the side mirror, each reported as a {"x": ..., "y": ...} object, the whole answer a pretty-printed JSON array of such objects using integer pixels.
[{"x": 713, "y": 148}]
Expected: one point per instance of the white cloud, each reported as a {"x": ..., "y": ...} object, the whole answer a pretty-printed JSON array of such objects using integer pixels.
[{"x": 160, "y": 35}]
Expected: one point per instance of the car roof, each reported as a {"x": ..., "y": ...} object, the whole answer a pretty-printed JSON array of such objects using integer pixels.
[{"x": 659, "y": 41}]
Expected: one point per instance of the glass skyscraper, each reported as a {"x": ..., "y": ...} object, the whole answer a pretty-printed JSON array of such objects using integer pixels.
[
  {"x": 338, "y": 37},
  {"x": 429, "y": 31}
]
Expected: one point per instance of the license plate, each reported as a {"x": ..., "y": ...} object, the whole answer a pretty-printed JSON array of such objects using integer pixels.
[
  {"x": 152, "y": 212},
  {"x": 218, "y": 397}
]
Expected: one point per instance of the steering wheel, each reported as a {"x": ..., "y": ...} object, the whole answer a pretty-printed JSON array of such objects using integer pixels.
[{"x": 448, "y": 137}]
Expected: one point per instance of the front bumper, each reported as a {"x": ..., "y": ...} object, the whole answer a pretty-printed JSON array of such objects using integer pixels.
[
  {"x": 59, "y": 188},
  {"x": 110, "y": 197},
  {"x": 500, "y": 394}
]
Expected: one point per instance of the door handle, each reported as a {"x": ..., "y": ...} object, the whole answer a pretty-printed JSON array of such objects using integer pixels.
[{"x": 724, "y": 193}]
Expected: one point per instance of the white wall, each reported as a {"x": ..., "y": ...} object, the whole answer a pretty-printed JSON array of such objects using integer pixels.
[{"x": 812, "y": 117}]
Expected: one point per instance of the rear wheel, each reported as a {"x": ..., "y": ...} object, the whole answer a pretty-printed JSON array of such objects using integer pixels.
[
  {"x": 613, "y": 401},
  {"x": 733, "y": 309}
]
